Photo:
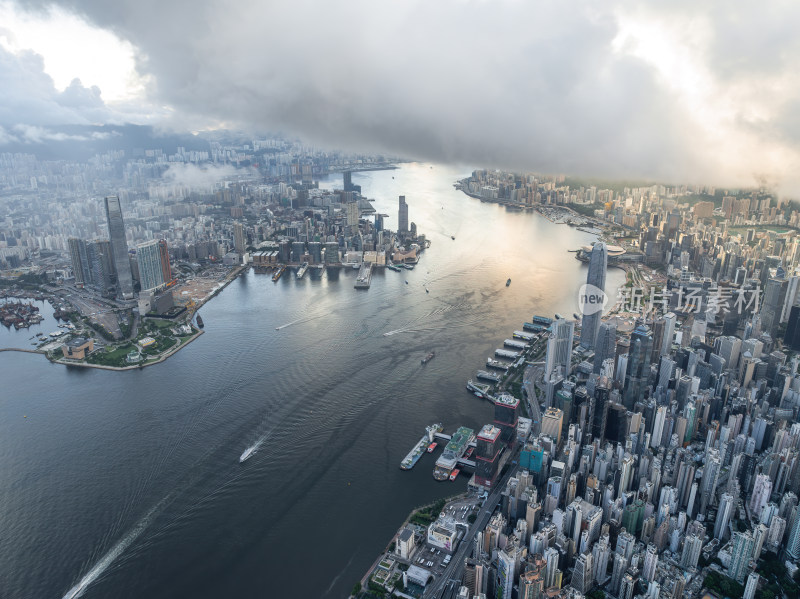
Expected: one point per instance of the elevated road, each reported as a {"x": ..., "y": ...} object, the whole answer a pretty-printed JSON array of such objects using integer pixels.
[{"x": 451, "y": 577}]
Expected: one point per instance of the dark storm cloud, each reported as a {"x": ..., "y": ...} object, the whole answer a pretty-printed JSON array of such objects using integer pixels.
[{"x": 526, "y": 85}]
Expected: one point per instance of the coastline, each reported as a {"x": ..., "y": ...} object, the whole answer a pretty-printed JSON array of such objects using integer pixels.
[{"x": 234, "y": 274}]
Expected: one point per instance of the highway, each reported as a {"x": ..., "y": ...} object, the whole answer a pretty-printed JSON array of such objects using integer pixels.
[
  {"x": 446, "y": 585},
  {"x": 454, "y": 569}
]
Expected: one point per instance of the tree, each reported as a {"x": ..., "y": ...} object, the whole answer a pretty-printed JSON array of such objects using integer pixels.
[{"x": 357, "y": 588}]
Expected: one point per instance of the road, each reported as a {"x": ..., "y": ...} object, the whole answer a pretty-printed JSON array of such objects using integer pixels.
[
  {"x": 450, "y": 579},
  {"x": 453, "y": 571}
]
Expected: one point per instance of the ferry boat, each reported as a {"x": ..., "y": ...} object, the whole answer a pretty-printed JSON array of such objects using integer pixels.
[
  {"x": 200, "y": 321},
  {"x": 416, "y": 452},
  {"x": 488, "y": 376},
  {"x": 492, "y": 363},
  {"x": 478, "y": 389},
  {"x": 302, "y": 270},
  {"x": 506, "y": 353},
  {"x": 278, "y": 273},
  {"x": 248, "y": 453},
  {"x": 515, "y": 344},
  {"x": 393, "y": 267},
  {"x": 428, "y": 358},
  {"x": 432, "y": 446},
  {"x": 408, "y": 266},
  {"x": 524, "y": 336},
  {"x": 454, "y": 474}
]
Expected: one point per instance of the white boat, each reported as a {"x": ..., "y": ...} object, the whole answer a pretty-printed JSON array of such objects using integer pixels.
[
  {"x": 302, "y": 270},
  {"x": 248, "y": 453}
]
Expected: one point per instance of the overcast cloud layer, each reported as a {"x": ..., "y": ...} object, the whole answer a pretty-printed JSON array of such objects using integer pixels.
[{"x": 667, "y": 91}]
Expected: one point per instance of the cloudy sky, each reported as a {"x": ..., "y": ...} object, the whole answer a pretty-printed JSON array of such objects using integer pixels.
[{"x": 673, "y": 91}]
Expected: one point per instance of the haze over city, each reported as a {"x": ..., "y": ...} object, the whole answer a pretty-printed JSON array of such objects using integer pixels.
[
  {"x": 464, "y": 299},
  {"x": 677, "y": 92}
]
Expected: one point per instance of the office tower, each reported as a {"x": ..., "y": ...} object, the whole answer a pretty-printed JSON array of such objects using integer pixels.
[
  {"x": 551, "y": 555},
  {"x": 638, "y": 366},
  {"x": 151, "y": 271},
  {"x": 596, "y": 277},
  {"x": 298, "y": 249},
  {"x": 119, "y": 247},
  {"x": 506, "y": 416},
  {"x": 101, "y": 265},
  {"x": 331, "y": 253},
  {"x": 552, "y": 421},
  {"x": 692, "y": 546},
  {"x": 163, "y": 253},
  {"x": 669, "y": 333},
  {"x": 658, "y": 427},
  {"x": 559, "y": 348},
  {"x": 751, "y": 586},
  {"x": 80, "y": 261},
  {"x": 347, "y": 181},
  {"x": 772, "y": 307},
  {"x": 604, "y": 345},
  {"x": 487, "y": 458},
  {"x": 582, "y": 573},
  {"x": 741, "y": 554},
  {"x": 402, "y": 217},
  {"x": 625, "y": 477},
  {"x": 650, "y": 563}
]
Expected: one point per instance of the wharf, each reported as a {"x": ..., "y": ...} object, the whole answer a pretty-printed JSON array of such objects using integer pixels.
[{"x": 364, "y": 278}]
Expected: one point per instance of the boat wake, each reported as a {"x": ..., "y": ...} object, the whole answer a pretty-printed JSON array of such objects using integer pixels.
[
  {"x": 288, "y": 324},
  {"x": 250, "y": 451},
  {"x": 117, "y": 550}
]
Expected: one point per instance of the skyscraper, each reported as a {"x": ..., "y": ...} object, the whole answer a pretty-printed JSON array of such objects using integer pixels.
[
  {"x": 402, "y": 217},
  {"x": 80, "y": 261},
  {"x": 239, "y": 238},
  {"x": 151, "y": 273},
  {"x": 741, "y": 554},
  {"x": 638, "y": 365},
  {"x": 605, "y": 344},
  {"x": 487, "y": 457},
  {"x": 163, "y": 254},
  {"x": 559, "y": 347},
  {"x": 119, "y": 247},
  {"x": 598, "y": 265}
]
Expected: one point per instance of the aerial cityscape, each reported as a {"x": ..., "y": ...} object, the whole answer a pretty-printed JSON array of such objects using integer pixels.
[{"x": 330, "y": 323}]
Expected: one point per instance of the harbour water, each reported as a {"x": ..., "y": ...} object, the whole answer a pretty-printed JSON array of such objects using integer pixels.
[{"x": 128, "y": 484}]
